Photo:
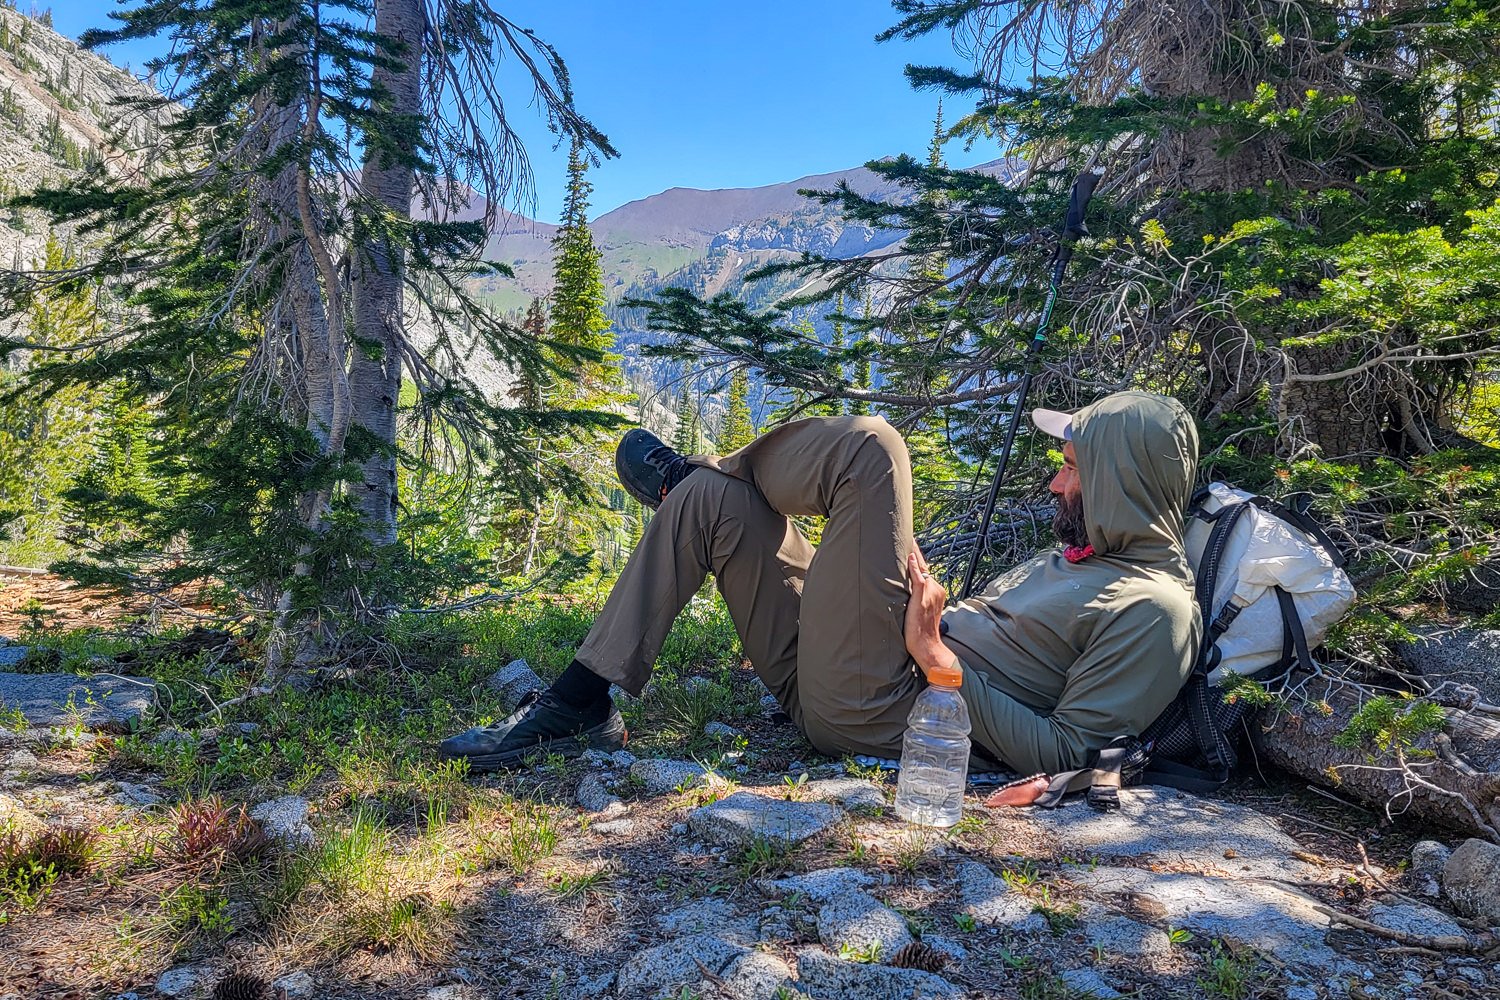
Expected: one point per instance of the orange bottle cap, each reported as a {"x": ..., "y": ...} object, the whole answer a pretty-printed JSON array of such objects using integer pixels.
[{"x": 950, "y": 676}]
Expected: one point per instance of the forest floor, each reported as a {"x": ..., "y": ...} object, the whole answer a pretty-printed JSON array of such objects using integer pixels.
[{"x": 376, "y": 870}]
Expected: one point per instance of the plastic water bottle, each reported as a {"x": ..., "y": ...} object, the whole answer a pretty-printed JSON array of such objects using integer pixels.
[{"x": 935, "y": 753}]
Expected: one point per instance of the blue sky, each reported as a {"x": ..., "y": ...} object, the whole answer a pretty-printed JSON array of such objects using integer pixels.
[{"x": 707, "y": 94}]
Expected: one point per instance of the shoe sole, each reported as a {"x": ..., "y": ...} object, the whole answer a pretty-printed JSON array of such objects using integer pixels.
[
  {"x": 607, "y": 736},
  {"x": 631, "y": 488}
]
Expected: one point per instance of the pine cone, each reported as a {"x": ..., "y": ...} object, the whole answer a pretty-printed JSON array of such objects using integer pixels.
[
  {"x": 240, "y": 986},
  {"x": 919, "y": 955}
]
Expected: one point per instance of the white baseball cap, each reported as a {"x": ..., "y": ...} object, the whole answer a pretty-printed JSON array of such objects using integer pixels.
[{"x": 1054, "y": 422}]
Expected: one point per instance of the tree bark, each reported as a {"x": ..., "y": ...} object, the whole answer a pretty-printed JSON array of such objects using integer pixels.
[
  {"x": 1451, "y": 778},
  {"x": 386, "y": 181}
]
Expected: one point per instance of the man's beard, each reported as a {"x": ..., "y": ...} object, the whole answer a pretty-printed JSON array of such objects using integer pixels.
[{"x": 1068, "y": 522}]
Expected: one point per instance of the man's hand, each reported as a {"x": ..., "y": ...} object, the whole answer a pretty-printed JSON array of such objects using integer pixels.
[{"x": 924, "y": 614}]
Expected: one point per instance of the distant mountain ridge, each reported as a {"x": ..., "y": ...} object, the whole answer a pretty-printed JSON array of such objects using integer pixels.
[{"x": 713, "y": 236}]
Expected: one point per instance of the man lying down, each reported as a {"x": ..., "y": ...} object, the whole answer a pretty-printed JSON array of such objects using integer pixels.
[{"x": 1085, "y": 643}]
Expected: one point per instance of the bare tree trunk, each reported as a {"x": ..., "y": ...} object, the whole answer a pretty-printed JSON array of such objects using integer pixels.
[
  {"x": 1452, "y": 778},
  {"x": 531, "y": 540},
  {"x": 386, "y": 182}
]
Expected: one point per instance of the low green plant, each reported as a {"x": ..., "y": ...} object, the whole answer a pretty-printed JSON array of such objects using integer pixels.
[
  {"x": 1230, "y": 973},
  {"x": 965, "y": 922},
  {"x": 531, "y": 836},
  {"x": 1391, "y": 724},
  {"x": 1179, "y": 935},
  {"x": 1022, "y": 876},
  {"x": 30, "y": 866},
  {"x": 1060, "y": 917},
  {"x": 12, "y": 718},
  {"x": 912, "y": 852},
  {"x": 568, "y": 885},
  {"x": 868, "y": 953},
  {"x": 193, "y": 908},
  {"x": 353, "y": 858},
  {"x": 410, "y": 926},
  {"x": 764, "y": 856}
]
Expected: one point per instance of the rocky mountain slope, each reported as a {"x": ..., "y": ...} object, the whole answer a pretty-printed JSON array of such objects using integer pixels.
[
  {"x": 706, "y": 240},
  {"x": 62, "y": 108}
]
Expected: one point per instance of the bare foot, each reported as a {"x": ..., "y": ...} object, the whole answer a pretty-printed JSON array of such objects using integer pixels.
[{"x": 1020, "y": 793}]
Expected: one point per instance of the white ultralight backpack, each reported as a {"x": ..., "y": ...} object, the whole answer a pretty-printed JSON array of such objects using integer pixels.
[{"x": 1251, "y": 556}]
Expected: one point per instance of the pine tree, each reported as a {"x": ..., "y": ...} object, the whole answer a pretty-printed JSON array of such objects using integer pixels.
[
  {"x": 273, "y": 310},
  {"x": 579, "y": 319},
  {"x": 686, "y": 439},
  {"x": 739, "y": 426}
]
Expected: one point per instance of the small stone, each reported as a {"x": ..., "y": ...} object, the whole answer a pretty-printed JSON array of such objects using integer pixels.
[
  {"x": 678, "y": 829},
  {"x": 22, "y": 760},
  {"x": 662, "y": 776},
  {"x": 285, "y": 819},
  {"x": 592, "y": 794},
  {"x": 138, "y": 796},
  {"x": 614, "y": 810},
  {"x": 1471, "y": 879},
  {"x": 183, "y": 980},
  {"x": 742, "y": 818},
  {"x": 822, "y": 975},
  {"x": 597, "y": 758},
  {"x": 171, "y": 736},
  {"x": 295, "y": 984},
  {"x": 822, "y": 884},
  {"x": 1300, "y": 992},
  {"x": 679, "y": 963},
  {"x": 720, "y": 731},
  {"x": 1088, "y": 983},
  {"x": 246, "y": 729},
  {"x": 623, "y": 758},
  {"x": 858, "y": 923},
  {"x": 596, "y": 986},
  {"x": 991, "y": 902},
  {"x": 456, "y": 991},
  {"x": 947, "y": 946},
  {"x": 1414, "y": 918},
  {"x": 758, "y": 976},
  {"x": 696, "y": 685},
  {"x": 15, "y": 816},
  {"x": 769, "y": 704},
  {"x": 614, "y": 827},
  {"x": 1428, "y": 858},
  {"x": 515, "y": 680}
]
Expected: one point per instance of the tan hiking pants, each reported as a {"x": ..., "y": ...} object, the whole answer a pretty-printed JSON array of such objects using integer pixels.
[{"x": 822, "y": 628}]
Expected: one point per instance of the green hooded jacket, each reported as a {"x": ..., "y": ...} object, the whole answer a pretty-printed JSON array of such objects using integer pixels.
[{"x": 1060, "y": 658}]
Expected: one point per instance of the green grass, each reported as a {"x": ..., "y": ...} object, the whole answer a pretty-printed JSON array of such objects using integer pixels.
[
  {"x": 764, "y": 857},
  {"x": 1230, "y": 974}
]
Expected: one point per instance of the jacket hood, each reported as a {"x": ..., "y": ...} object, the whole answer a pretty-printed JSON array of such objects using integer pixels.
[{"x": 1137, "y": 458}]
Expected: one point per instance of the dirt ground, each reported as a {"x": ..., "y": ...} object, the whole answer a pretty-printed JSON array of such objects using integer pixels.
[{"x": 29, "y": 597}]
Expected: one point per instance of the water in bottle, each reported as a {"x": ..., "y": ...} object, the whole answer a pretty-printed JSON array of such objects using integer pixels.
[{"x": 935, "y": 753}]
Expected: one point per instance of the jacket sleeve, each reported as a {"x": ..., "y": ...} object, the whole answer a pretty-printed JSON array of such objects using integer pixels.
[{"x": 1130, "y": 671}]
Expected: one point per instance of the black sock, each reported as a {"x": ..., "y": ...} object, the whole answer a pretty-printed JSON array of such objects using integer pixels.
[{"x": 582, "y": 689}]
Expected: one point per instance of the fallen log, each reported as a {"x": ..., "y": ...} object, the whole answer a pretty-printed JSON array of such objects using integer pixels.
[{"x": 1451, "y": 778}]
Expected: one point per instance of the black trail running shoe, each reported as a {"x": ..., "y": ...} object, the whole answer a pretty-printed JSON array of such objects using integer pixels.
[
  {"x": 543, "y": 723},
  {"x": 649, "y": 469}
]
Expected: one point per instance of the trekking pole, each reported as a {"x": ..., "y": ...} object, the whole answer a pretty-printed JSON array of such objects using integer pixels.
[{"x": 1073, "y": 227}]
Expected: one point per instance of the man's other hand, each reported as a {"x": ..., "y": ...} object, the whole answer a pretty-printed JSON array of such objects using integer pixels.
[{"x": 924, "y": 615}]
